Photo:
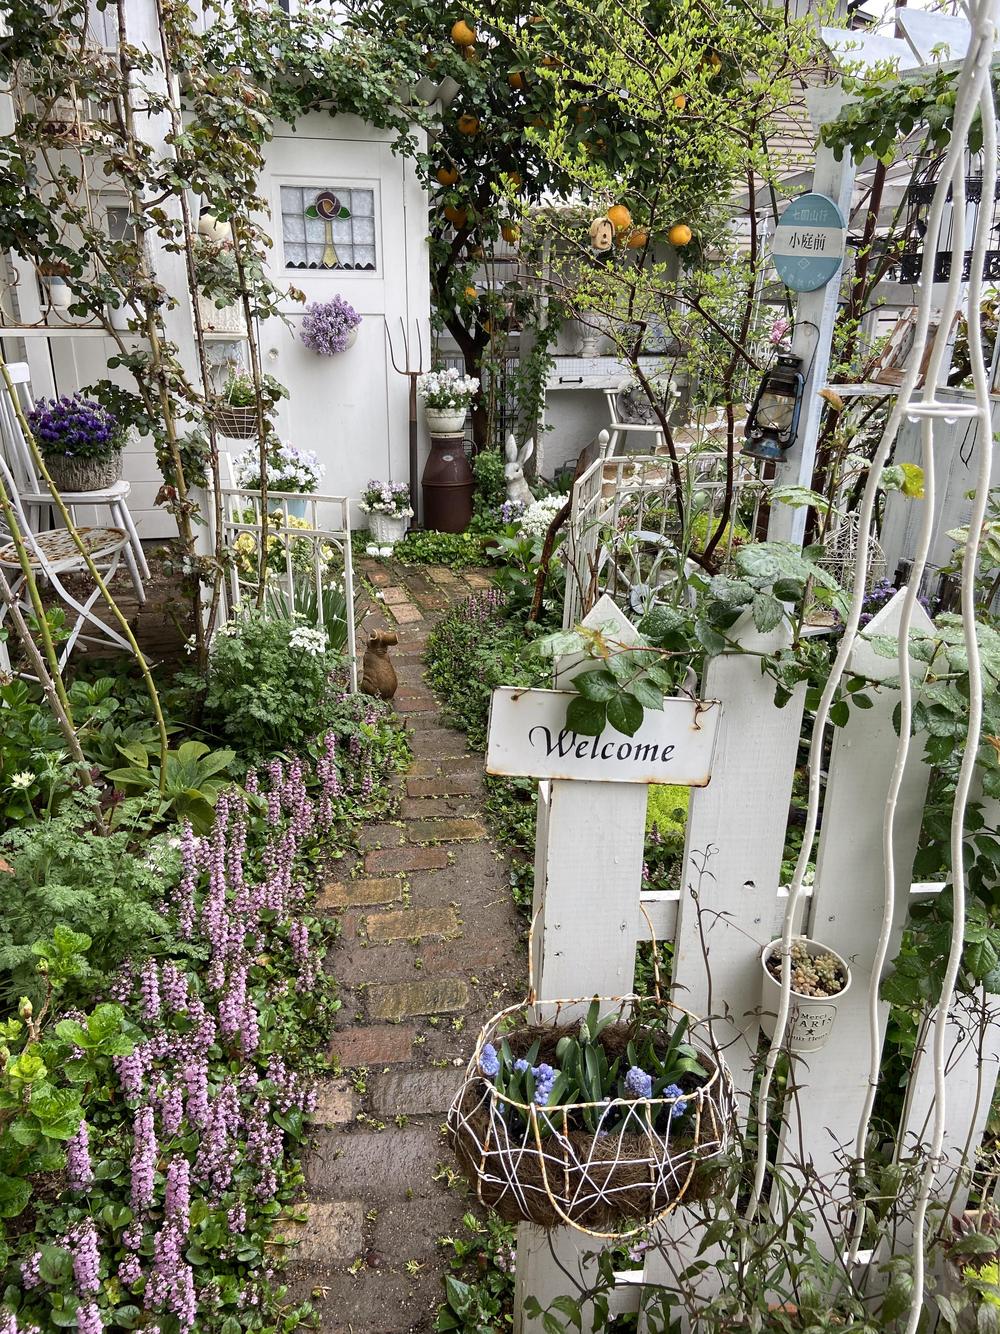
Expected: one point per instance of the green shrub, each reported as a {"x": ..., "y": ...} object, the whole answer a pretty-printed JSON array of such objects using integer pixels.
[
  {"x": 459, "y": 551},
  {"x": 64, "y": 874},
  {"x": 491, "y": 488},
  {"x": 268, "y": 684}
]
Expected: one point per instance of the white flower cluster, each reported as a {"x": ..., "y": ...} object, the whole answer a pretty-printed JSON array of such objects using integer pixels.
[
  {"x": 307, "y": 639},
  {"x": 536, "y": 518},
  {"x": 448, "y": 389},
  {"x": 288, "y": 469},
  {"x": 372, "y": 550}
]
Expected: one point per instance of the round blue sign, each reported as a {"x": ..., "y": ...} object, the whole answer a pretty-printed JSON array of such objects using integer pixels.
[{"x": 809, "y": 243}]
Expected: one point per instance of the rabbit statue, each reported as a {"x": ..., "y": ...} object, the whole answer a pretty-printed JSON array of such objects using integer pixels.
[
  {"x": 513, "y": 473},
  {"x": 378, "y": 676}
]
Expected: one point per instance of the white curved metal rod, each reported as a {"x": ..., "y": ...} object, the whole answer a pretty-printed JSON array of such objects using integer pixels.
[
  {"x": 966, "y": 102},
  {"x": 984, "y": 30}
]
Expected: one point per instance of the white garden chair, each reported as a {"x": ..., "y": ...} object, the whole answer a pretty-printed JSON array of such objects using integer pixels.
[
  {"x": 34, "y": 493},
  {"x": 52, "y": 555},
  {"x": 631, "y": 413}
]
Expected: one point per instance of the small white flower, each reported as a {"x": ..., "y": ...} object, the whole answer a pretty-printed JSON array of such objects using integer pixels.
[
  {"x": 22, "y": 780},
  {"x": 371, "y": 549},
  {"x": 309, "y": 640},
  {"x": 385, "y": 551},
  {"x": 190, "y": 644}
]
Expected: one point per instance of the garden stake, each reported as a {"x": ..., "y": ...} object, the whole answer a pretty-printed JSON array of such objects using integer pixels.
[{"x": 412, "y": 375}]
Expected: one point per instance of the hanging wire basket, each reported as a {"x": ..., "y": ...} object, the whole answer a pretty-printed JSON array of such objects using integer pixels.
[
  {"x": 840, "y": 552},
  {"x": 639, "y": 1158}
]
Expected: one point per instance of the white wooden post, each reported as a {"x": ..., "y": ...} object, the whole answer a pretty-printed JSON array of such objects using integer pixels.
[
  {"x": 588, "y": 871},
  {"x": 815, "y": 315},
  {"x": 973, "y": 1047},
  {"x": 822, "y": 1119},
  {"x": 742, "y": 815}
]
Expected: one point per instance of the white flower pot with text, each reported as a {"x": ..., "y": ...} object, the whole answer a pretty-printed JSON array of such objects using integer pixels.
[{"x": 813, "y": 1010}]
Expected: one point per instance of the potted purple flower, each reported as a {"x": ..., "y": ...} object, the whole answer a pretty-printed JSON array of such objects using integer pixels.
[
  {"x": 389, "y": 511},
  {"x": 329, "y": 327},
  {"x": 80, "y": 441}
]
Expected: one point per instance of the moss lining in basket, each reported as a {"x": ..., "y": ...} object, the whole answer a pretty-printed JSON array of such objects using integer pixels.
[{"x": 596, "y": 1164}]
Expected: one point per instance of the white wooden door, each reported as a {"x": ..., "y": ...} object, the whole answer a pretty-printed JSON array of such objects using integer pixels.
[{"x": 350, "y": 408}]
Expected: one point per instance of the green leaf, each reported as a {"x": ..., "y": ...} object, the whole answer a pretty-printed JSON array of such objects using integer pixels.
[
  {"x": 767, "y": 612},
  {"x": 586, "y": 716},
  {"x": 709, "y": 638},
  {"x": 14, "y": 1196},
  {"x": 648, "y": 695},
  {"x": 55, "y": 1266},
  {"x": 597, "y": 685},
  {"x": 625, "y": 713},
  {"x": 840, "y": 712}
]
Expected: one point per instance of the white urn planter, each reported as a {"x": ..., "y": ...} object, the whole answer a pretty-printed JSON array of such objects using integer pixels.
[
  {"x": 388, "y": 529},
  {"x": 221, "y": 321},
  {"x": 810, "y": 1018},
  {"x": 57, "y": 291},
  {"x": 445, "y": 421}
]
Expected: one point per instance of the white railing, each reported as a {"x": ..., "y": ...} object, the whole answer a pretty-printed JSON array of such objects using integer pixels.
[
  {"x": 624, "y": 528},
  {"x": 309, "y": 551}
]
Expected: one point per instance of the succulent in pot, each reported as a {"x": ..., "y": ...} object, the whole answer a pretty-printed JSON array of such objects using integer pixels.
[
  {"x": 80, "y": 440},
  {"x": 819, "y": 977}
]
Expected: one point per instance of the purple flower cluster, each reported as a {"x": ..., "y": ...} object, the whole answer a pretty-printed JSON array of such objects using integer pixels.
[
  {"x": 327, "y": 326},
  {"x": 882, "y": 592},
  {"x": 638, "y": 1083},
  {"x": 79, "y": 1170},
  {"x": 76, "y": 427},
  {"x": 482, "y": 608}
]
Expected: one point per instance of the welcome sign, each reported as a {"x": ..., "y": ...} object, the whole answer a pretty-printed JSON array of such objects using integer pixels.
[{"x": 529, "y": 737}]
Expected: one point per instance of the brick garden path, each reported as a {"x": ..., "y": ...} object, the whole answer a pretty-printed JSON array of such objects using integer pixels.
[{"x": 429, "y": 949}]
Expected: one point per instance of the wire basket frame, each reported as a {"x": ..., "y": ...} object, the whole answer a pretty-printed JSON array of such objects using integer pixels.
[
  {"x": 840, "y": 552},
  {"x": 630, "y": 1168}
]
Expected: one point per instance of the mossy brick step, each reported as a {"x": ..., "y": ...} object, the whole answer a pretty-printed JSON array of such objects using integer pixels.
[
  {"x": 374, "y": 1300},
  {"x": 412, "y": 924},
  {"x": 365, "y": 893},
  {"x": 413, "y": 1092},
  {"x": 388, "y": 861},
  {"x": 395, "y": 596},
  {"x": 407, "y": 701},
  {"x": 373, "y": 1166},
  {"x": 439, "y": 743},
  {"x": 465, "y": 766},
  {"x": 381, "y": 836},
  {"x": 406, "y": 614},
  {"x": 385, "y": 1044},
  {"x": 333, "y": 1232},
  {"x": 336, "y": 1102},
  {"x": 449, "y": 785},
  {"x": 437, "y": 808},
  {"x": 429, "y": 995},
  {"x": 454, "y": 829},
  {"x": 415, "y": 1225}
]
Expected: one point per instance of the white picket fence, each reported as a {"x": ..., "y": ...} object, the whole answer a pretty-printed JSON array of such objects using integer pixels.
[{"x": 591, "y": 914}]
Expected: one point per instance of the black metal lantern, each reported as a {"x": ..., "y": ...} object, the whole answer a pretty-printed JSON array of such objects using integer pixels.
[{"x": 774, "y": 418}]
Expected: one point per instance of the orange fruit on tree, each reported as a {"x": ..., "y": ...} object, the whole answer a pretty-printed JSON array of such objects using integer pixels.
[
  {"x": 471, "y": 294},
  {"x": 551, "y": 62},
  {"x": 620, "y": 217},
  {"x": 516, "y": 179},
  {"x": 446, "y": 175},
  {"x": 462, "y": 34},
  {"x": 456, "y": 216},
  {"x": 517, "y": 80},
  {"x": 637, "y": 238},
  {"x": 468, "y": 124},
  {"x": 510, "y": 233},
  {"x": 680, "y": 234},
  {"x": 680, "y": 101}
]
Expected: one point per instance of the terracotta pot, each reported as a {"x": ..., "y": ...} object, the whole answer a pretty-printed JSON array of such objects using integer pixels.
[{"x": 447, "y": 484}]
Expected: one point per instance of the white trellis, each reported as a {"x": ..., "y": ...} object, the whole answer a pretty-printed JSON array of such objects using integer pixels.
[
  {"x": 305, "y": 544},
  {"x": 589, "y": 842}
]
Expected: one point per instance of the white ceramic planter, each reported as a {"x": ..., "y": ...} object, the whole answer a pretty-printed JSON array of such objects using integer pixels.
[
  {"x": 221, "y": 321},
  {"x": 388, "y": 529},
  {"x": 57, "y": 291},
  {"x": 810, "y": 1018},
  {"x": 118, "y": 317},
  {"x": 445, "y": 421},
  {"x": 352, "y": 337}
]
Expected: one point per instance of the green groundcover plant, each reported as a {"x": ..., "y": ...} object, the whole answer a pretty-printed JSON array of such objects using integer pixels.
[{"x": 161, "y": 1011}]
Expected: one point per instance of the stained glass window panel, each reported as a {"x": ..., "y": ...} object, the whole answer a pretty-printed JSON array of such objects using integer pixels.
[{"x": 328, "y": 228}]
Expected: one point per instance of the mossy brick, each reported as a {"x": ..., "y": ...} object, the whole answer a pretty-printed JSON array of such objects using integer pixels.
[
  {"x": 336, "y": 1102},
  {"x": 331, "y": 1233},
  {"x": 389, "y": 861},
  {"x": 382, "y": 1044},
  {"x": 428, "y": 995},
  {"x": 407, "y": 614},
  {"x": 411, "y": 924},
  {"x": 456, "y": 829},
  {"x": 446, "y": 786},
  {"x": 365, "y": 893}
]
